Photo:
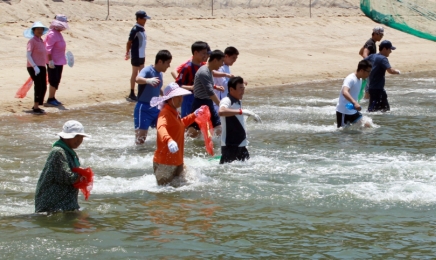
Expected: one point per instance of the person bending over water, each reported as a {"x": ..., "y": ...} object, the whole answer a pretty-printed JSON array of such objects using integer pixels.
[{"x": 55, "y": 191}]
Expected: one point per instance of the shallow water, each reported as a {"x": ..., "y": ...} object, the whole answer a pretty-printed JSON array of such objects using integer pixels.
[{"x": 309, "y": 191}]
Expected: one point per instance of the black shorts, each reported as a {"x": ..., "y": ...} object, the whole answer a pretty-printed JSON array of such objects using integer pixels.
[
  {"x": 137, "y": 62},
  {"x": 214, "y": 118},
  {"x": 55, "y": 75},
  {"x": 344, "y": 119},
  {"x": 233, "y": 153},
  {"x": 378, "y": 100}
]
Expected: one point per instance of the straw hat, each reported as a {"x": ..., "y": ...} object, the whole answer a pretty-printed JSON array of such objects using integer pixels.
[
  {"x": 71, "y": 129},
  {"x": 28, "y": 33},
  {"x": 170, "y": 91}
]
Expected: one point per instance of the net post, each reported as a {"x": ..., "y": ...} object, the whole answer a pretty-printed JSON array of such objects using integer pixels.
[{"x": 107, "y": 10}]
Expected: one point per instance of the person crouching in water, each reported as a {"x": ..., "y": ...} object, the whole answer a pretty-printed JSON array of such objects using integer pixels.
[
  {"x": 55, "y": 191},
  {"x": 168, "y": 157},
  {"x": 233, "y": 136}
]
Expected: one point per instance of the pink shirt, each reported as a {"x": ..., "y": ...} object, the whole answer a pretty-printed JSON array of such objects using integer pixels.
[
  {"x": 55, "y": 45},
  {"x": 36, "y": 47}
]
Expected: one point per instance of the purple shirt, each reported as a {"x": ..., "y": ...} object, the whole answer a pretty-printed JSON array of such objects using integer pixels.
[{"x": 55, "y": 45}]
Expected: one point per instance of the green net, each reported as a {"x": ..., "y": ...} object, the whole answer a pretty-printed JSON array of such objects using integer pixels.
[{"x": 416, "y": 17}]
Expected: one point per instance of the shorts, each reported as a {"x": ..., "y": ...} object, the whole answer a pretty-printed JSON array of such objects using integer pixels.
[
  {"x": 55, "y": 75},
  {"x": 165, "y": 173},
  {"x": 344, "y": 119},
  {"x": 137, "y": 62},
  {"x": 187, "y": 105},
  {"x": 378, "y": 100},
  {"x": 145, "y": 116},
  {"x": 214, "y": 118},
  {"x": 233, "y": 153}
]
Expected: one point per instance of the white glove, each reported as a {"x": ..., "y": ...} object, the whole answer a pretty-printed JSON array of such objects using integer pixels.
[
  {"x": 51, "y": 64},
  {"x": 247, "y": 112},
  {"x": 37, "y": 70},
  {"x": 172, "y": 146},
  {"x": 153, "y": 81}
]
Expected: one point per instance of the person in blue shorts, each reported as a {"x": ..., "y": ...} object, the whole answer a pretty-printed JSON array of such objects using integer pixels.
[
  {"x": 150, "y": 83},
  {"x": 349, "y": 94},
  {"x": 135, "y": 49},
  {"x": 378, "y": 99}
]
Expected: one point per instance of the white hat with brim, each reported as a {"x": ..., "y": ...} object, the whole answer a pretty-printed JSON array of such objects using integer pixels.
[
  {"x": 28, "y": 33},
  {"x": 170, "y": 91},
  {"x": 71, "y": 129}
]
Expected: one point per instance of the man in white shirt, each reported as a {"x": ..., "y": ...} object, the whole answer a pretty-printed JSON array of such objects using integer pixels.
[
  {"x": 230, "y": 57},
  {"x": 233, "y": 136},
  {"x": 349, "y": 94}
]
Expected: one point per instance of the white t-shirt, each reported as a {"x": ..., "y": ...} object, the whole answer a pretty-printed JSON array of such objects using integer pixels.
[
  {"x": 354, "y": 84},
  {"x": 222, "y": 81},
  {"x": 233, "y": 127}
]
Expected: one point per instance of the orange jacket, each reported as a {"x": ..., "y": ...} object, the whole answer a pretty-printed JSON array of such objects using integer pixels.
[{"x": 171, "y": 127}]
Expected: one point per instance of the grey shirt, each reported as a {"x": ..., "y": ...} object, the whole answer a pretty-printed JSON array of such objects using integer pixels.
[{"x": 203, "y": 83}]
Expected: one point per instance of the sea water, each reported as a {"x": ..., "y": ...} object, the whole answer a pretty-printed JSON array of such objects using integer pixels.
[{"x": 309, "y": 190}]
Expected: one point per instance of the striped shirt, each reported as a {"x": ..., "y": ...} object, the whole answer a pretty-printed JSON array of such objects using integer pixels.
[
  {"x": 203, "y": 83},
  {"x": 187, "y": 74}
]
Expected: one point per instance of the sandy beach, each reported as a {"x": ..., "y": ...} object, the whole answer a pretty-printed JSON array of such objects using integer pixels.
[{"x": 278, "y": 44}]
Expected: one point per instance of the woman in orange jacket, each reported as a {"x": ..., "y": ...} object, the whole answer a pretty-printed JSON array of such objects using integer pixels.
[{"x": 168, "y": 157}]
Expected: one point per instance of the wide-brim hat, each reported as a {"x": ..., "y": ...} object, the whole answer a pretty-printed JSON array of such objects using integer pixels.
[
  {"x": 71, "y": 129},
  {"x": 170, "y": 91},
  {"x": 60, "y": 22},
  {"x": 28, "y": 33}
]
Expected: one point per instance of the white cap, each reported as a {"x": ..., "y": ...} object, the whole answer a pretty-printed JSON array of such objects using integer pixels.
[{"x": 71, "y": 129}]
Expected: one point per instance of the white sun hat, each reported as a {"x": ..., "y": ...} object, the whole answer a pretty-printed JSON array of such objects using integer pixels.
[
  {"x": 170, "y": 91},
  {"x": 28, "y": 33},
  {"x": 71, "y": 129}
]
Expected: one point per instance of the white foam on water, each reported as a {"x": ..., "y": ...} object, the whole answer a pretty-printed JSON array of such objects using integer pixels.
[
  {"x": 147, "y": 182},
  {"x": 285, "y": 126}
]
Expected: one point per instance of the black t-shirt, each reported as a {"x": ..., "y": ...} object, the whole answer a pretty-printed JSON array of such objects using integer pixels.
[{"x": 371, "y": 46}]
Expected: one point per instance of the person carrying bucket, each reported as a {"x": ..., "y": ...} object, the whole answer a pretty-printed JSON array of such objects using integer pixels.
[
  {"x": 234, "y": 136},
  {"x": 168, "y": 157},
  {"x": 36, "y": 60},
  {"x": 56, "y": 46}
]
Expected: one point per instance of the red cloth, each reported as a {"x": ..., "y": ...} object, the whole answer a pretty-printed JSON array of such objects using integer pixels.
[
  {"x": 203, "y": 121},
  {"x": 85, "y": 186}
]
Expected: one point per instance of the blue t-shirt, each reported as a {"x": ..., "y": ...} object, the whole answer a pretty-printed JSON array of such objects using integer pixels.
[
  {"x": 147, "y": 92},
  {"x": 139, "y": 41},
  {"x": 379, "y": 66}
]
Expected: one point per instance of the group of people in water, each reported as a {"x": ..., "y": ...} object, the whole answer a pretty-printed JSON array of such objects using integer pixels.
[
  {"x": 204, "y": 83},
  {"x": 373, "y": 68}
]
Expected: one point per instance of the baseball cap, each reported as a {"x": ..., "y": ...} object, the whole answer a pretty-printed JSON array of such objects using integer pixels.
[
  {"x": 378, "y": 30},
  {"x": 142, "y": 14},
  {"x": 386, "y": 44}
]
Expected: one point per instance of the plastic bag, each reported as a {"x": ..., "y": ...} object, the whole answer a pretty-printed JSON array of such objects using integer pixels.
[
  {"x": 362, "y": 90},
  {"x": 203, "y": 121},
  {"x": 86, "y": 185},
  {"x": 22, "y": 91}
]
